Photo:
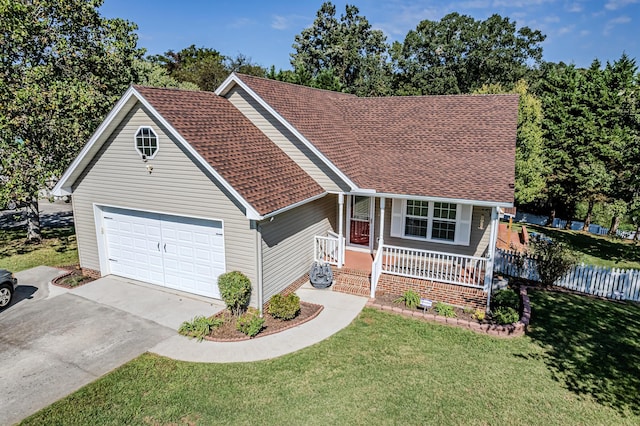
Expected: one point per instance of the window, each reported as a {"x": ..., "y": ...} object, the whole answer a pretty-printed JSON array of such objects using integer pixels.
[
  {"x": 146, "y": 142},
  {"x": 434, "y": 221},
  {"x": 444, "y": 221},
  {"x": 417, "y": 218}
]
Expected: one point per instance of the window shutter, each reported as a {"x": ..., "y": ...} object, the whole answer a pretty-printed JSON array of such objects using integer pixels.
[
  {"x": 397, "y": 209},
  {"x": 463, "y": 227}
]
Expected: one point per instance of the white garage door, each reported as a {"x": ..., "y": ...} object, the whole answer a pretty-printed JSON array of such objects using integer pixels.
[{"x": 178, "y": 252}]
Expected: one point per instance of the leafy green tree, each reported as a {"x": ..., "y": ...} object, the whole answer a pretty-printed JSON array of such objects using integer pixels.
[
  {"x": 62, "y": 68},
  {"x": 459, "y": 54},
  {"x": 205, "y": 67},
  {"x": 155, "y": 75},
  {"x": 347, "y": 49},
  {"x": 622, "y": 120},
  {"x": 530, "y": 182}
]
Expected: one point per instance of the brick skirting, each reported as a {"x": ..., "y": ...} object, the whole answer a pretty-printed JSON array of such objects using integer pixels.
[
  {"x": 451, "y": 294},
  {"x": 509, "y": 330}
]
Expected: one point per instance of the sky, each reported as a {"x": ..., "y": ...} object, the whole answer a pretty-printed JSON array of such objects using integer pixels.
[{"x": 578, "y": 31}]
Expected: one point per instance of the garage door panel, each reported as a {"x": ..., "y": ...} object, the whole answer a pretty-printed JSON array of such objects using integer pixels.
[{"x": 182, "y": 253}]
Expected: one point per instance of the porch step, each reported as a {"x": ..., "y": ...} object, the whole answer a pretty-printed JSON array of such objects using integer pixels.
[{"x": 352, "y": 282}]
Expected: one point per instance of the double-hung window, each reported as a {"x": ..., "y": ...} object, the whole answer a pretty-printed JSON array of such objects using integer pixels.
[{"x": 434, "y": 221}]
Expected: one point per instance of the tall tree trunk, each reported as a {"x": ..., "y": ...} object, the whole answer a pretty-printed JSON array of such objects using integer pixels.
[
  {"x": 568, "y": 224},
  {"x": 636, "y": 236},
  {"x": 33, "y": 221},
  {"x": 587, "y": 220},
  {"x": 551, "y": 218},
  {"x": 615, "y": 223}
]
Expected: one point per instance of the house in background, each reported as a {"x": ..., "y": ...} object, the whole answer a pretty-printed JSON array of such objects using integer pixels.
[{"x": 177, "y": 187}]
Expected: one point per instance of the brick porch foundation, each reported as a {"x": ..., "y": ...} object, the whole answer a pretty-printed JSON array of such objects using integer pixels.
[{"x": 438, "y": 292}]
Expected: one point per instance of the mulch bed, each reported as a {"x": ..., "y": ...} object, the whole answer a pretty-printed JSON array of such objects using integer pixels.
[
  {"x": 228, "y": 333},
  {"x": 389, "y": 300},
  {"x": 72, "y": 278}
]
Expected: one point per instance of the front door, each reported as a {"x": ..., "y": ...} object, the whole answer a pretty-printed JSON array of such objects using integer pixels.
[{"x": 360, "y": 221}]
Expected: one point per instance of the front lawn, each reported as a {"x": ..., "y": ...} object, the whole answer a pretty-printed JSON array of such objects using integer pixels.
[
  {"x": 599, "y": 250},
  {"x": 580, "y": 365},
  {"x": 57, "y": 248}
]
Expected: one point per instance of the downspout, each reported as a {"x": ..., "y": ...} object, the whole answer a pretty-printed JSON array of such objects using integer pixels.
[
  {"x": 259, "y": 266},
  {"x": 493, "y": 237}
]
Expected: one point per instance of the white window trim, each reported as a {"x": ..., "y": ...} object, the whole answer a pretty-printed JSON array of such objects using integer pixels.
[
  {"x": 458, "y": 221},
  {"x": 135, "y": 143}
]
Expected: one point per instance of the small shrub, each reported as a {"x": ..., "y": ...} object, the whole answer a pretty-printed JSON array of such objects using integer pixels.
[
  {"x": 199, "y": 327},
  {"x": 554, "y": 260},
  {"x": 468, "y": 310},
  {"x": 410, "y": 298},
  {"x": 505, "y": 315},
  {"x": 235, "y": 290},
  {"x": 507, "y": 298},
  {"x": 250, "y": 323},
  {"x": 480, "y": 314},
  {"x": 284, "y": 307},
  {"x": 445, "y": 310}
]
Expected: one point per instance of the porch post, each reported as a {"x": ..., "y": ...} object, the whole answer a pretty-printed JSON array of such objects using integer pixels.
[
  {"x": 381, "y": 239},
  {"x": 341, "y": 229},
  {"x": 493, "y": 237}
]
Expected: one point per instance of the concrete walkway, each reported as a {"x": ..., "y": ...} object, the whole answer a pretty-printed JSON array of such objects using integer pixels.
[
  {"x": 169, "y": 308},
  {"x": 339, "y": 310}
]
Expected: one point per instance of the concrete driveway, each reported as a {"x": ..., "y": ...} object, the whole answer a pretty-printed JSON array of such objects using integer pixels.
[{"x": 52, "y": 341}]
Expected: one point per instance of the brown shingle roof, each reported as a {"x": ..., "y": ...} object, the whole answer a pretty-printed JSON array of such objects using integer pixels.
[
  {"x": 460, "y": 146},
  {"x": 252, "y": 164}
]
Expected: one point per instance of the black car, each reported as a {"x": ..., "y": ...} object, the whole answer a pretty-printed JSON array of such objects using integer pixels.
[{"x": 8, "y": 284}]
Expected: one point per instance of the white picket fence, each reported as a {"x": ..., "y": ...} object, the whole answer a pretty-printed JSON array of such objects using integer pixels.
[{"x": 612, "y": 283}]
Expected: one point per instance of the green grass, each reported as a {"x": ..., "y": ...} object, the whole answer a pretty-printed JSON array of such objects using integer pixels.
[
  {"x": 57, "y": 248},
  {"x": 599, "y": 250},
  {"x": 580, "y": 365}
]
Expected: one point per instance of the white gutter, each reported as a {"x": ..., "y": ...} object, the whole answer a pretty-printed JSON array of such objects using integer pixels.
[
  {"x": 448, "y": 200},
  {"x": 292, "y": 206}
]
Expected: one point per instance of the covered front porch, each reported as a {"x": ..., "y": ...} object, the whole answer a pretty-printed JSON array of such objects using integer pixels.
[{"x": 365, "y": 268}]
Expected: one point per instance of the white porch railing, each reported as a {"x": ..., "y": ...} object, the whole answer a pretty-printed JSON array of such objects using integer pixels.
[
  {"x": 449, "y": 268},
  {"x": 329, "y": 249}
]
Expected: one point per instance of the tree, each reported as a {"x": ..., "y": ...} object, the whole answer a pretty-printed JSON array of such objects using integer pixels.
[
  {"x": 62, "y": 66},
  {"x": 531, "y": 167},
  {"x": 153, "y": 74},
  {"x": 205, "y": 67},
  {"x": 347, "y": 48},
  {"x": 459, "y": 55}
]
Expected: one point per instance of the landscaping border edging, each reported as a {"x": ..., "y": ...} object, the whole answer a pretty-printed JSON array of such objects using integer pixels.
[
  {"x": 509, "y": 330},
  {"x": 267, "y": 333}
]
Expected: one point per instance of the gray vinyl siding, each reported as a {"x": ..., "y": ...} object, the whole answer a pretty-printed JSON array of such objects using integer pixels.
[
  {"x": 287, "y": 242},
  {"x": 478, "y": 242},
  {"x": 285, "y": 140},
  {"x": 118, "y": 177}
]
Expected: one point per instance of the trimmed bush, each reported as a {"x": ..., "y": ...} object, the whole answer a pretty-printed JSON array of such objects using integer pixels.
[
  {"x": 445, "y": 310},
  {"x": 199, "y": 327},
  {"x": 284, "y": 307},
  {"x": 507, "y": 298},
  {"x": 235, "y": 290},
  {"x": 505, "y": 315},
  {"x": 250, "y": 323},
  {"x": 410, "y": 298}
]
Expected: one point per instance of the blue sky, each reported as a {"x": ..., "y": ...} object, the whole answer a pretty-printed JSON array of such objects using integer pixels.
[{"x": 577, "y": 30}]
